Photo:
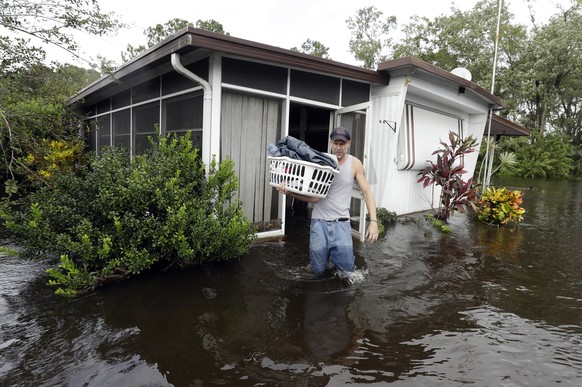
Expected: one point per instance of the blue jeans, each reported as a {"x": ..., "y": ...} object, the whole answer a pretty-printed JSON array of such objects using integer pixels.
[{"x": 331, "y": 240}]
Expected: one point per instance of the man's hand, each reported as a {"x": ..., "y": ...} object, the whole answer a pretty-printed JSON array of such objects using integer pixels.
[{"x": 372, "y": 233}]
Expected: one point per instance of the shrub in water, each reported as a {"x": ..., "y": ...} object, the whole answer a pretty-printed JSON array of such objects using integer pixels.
[
  {"x": 117, "y": 217},
  {"x": 500, "y": 206}
]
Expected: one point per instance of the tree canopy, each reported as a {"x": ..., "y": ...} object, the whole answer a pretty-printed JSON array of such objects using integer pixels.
[
  {"x": 369, "y": 35},
  {"x": 313, "y": 47},
  {"x": 159, "y": 32},
  {"x": 30, "y": 25}
]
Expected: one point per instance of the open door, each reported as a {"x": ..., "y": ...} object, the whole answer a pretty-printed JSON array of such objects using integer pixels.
[{"x": 354, "y": 118}]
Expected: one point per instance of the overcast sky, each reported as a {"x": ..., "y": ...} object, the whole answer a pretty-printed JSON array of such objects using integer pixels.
[{"x": 276, "y": 22}]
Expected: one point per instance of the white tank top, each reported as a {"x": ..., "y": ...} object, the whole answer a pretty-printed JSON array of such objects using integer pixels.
[{"x": 337, "y": 202}]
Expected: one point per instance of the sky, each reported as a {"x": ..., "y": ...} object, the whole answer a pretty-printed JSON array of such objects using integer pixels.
[{"x": 278, "y": 23}]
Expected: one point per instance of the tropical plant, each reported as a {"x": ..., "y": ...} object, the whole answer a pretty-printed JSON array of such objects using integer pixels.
[
  {"x": 446, "y": 172},
  {"x": 500, "y": 206},
  {"x": 505, "y": 159},
  {"x": 118, "y": 217}
]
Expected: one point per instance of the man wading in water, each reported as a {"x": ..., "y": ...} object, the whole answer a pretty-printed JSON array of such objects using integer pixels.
[{"x": 331, "y": 234}]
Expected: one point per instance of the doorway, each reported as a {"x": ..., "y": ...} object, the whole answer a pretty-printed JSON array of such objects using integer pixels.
[
  {"x": 313, "y": 124},
  {"x": 310, "y": 124}
]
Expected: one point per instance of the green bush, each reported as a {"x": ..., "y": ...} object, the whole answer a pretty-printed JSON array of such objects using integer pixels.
[{"x": 117, "y": 217}]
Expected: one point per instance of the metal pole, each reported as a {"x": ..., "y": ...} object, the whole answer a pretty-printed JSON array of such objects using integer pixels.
[{"x": 489, "y": 155}]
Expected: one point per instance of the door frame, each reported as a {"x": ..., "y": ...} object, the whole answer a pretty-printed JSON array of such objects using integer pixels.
[{"x": 362, "y": 108}]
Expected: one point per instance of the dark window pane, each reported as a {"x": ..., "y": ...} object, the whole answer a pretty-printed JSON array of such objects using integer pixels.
[
  {"x": 91, "y": 131},
  {"x": 173, "y": 82},
  {"x": 146, "y": 120},
  {"x": 254, "y": 75},
  {"x": 103, "y": 106},
  {"x": 355, "y": 92},
  {"x": 103, "y": 131},
  {"x": 146, "y": 90},
  {"x": 122, "y": 99},
  {"x": 315, "y": 87},
  {"x": 142, "y": 143},
  {"x": 121, "y": 128},
  {"x": 89, "y": 110},
  {"x": 184, "y": 113}
]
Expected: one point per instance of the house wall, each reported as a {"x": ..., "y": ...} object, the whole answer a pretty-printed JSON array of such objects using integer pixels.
[{"x": 397, "y": 189}]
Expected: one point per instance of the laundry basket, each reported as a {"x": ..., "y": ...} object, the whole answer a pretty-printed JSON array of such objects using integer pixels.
[{"x": 300, "y": 176}]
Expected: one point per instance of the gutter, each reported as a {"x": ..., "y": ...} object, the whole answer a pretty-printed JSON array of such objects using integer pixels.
[{"x": 207, "y": 104}]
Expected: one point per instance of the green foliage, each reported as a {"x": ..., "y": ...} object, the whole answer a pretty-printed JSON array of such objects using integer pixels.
[
  {"x": 313, "y": 47},
  {"x": 502, "y": 159},
  {"x": 48, "y": 22},
  {"x": 33, "y": 115},
  {"x": 541, "y": 156},
  {"x": 69, "y": 277},
  {"x": 118, "y": 217},
  {"x": 369, "y": 35},
  {"x": 446, "y": 172},
  {"x": 385, "y": 218},
  {"x": 155, "y": 34},
  {"x": 500, "y": 206},
  {"x": 465, "y": 39},
  {"x": 439, "y": 224},
  {"x": 547, "y": 77}
]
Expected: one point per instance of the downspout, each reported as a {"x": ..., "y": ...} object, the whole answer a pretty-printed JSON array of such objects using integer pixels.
[{"x": 207, "y": 101}]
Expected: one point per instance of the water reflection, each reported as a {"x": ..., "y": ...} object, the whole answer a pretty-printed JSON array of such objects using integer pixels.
[{"x": 482, "y": 305}]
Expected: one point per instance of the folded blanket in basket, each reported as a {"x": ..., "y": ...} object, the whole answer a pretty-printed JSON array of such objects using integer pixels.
[{"x": 297, "y": 149}]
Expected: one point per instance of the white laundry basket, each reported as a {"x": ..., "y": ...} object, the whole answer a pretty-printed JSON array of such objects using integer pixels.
[{"x": 300, "y": 176}]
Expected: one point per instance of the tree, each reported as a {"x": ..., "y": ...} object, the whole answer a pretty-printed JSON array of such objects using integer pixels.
[
  {"x": 313, "y": 47},
  {"x": 33, "y": 113},
  {"x": 369, "y": 35},
  {"x": 465, "y": 39},
  {"x": 544, "y": 155},
  {"x": 159, "y": 32},
  {"x": 49, "y": 22},
  {"x": 550, "y": 76}
]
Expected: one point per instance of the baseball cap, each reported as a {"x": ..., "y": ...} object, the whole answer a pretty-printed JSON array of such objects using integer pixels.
[{"x": 340, "y": 133}]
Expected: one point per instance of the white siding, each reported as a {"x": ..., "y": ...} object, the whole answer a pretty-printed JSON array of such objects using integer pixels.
[{"x": 398, "y": 190}]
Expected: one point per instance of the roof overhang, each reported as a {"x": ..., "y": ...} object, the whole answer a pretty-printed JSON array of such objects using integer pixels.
[
  {"x": 503, "y": 127},
  {"x": 413, "y": 67},
  {"x": 198, "y": 43}
]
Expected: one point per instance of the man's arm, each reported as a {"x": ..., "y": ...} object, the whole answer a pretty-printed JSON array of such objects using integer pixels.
[{"x": 372, "y": 233}]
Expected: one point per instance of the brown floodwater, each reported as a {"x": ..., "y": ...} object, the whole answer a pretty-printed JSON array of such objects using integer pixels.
[{"x": 481, "y": 306}]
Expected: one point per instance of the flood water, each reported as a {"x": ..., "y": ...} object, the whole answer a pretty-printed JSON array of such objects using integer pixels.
[{"x": 481, "y": 306}]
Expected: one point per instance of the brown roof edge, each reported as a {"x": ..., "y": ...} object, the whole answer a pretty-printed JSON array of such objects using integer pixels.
[
  {"x": 247, "y": 48},
  {"x": 190, "y": 38},
  {"x": 501, "y": 126},
  {"x": 409, "y": 61}
]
